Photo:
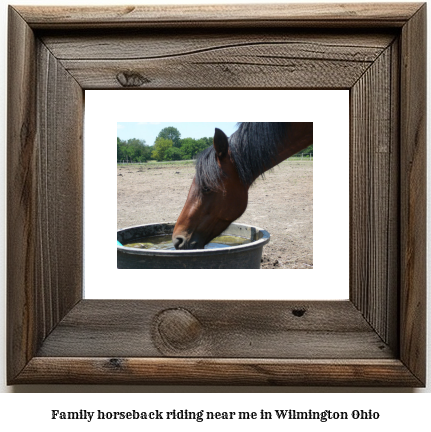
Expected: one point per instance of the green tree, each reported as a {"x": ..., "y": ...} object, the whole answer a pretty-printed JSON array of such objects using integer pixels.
[
  {"x": 191, "y": 147},
  {"x": 150, "y": 152},
  {"x": 133, "y": 150},
  {"x": 120, "y": 150},
  {"x": 208, "y": 140},
  {"x": 171, "y": 133},
  {"x": 173, "y": 153},
  {"x": 160, "y": 148}
]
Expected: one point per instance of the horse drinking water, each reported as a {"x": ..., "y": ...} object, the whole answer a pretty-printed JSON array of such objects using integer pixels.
[{"x": 224, "y": 173}]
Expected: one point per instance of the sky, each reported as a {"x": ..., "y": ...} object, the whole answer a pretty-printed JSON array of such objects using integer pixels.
[{"x": 148, "y": 131}]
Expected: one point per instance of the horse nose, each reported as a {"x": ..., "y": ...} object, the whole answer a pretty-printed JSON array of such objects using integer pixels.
[{"x": 179, "y": 242}]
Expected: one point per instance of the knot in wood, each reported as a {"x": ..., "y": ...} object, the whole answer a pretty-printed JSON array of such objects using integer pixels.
[
  {"x": 298, "y": 312},
  {"x": 178, "y": 329},
  {"x": 131, "y": 79}
]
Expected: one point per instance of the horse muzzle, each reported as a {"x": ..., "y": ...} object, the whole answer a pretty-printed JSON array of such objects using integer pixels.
[{"x": 183, "y": 243}]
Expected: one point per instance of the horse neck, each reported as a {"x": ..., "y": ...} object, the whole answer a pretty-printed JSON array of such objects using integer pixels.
[{"x": 298, "y": 137}]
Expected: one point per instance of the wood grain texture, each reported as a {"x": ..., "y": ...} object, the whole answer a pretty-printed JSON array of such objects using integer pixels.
[
  {"x": 374, "y": 195},
  {"x": 56, "y": 53},
  {"x": 226, "y": 59},
  {"x": 45, "y": 105},
  {"x": 156, "y": 44},
  {"x": 413, "y": 194},
  {"x": 59, "y": 185},
  {"x": 197, "y": 371},
  {"x": 21, "y": 195},
  {"x": 227, "y": 70},
  {"x": 254, "y": 15},
  {"x": 290, "y": 63},
  {"x": 240, "y": 329}
]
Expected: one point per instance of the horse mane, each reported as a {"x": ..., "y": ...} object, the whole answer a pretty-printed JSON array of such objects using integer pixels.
[{"x": 254, "y": 147}]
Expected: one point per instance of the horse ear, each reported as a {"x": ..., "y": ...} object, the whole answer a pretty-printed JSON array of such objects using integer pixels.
[{"x": 221, "y": 144}]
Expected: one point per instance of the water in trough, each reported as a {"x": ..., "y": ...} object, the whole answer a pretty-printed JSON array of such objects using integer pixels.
[{"x": 164, "y": 242}]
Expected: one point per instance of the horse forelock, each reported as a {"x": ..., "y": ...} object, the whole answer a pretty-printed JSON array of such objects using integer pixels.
[{"x": 208, "y": 173}]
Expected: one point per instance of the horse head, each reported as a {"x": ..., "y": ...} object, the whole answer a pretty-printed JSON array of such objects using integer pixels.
[{"x": 216, "y": 198}]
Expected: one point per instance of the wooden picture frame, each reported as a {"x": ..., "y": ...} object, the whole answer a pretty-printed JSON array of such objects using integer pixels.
[{"x": 376, "y": 338}]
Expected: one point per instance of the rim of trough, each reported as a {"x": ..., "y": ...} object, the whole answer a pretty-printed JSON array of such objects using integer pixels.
[{"x": 197, "y": 252}]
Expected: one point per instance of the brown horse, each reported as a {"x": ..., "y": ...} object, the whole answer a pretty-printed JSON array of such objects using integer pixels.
[{"x": 224, "y": 173}]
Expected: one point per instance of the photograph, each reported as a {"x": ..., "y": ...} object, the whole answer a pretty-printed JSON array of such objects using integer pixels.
[{"x": 205, "y": 184}]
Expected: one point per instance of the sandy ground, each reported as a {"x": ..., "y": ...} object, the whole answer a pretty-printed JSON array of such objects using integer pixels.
[{"x": 282, "y": 203}]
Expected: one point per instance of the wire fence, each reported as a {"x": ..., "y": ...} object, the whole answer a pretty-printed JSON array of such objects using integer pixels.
[
  {"x": 128, "y": 161},
  {"x": 297, "y": 157},
  {"x": 302, "y": 157}
]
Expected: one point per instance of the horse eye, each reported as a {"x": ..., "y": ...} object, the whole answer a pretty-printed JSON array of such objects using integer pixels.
[{"x": 206, "y": 189}]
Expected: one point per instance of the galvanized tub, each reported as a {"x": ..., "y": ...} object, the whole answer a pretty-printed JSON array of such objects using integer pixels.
[{"x": 247, "y": 256}]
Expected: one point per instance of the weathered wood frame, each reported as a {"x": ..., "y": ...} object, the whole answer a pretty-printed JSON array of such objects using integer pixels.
[{"x": 376, "y": 338}]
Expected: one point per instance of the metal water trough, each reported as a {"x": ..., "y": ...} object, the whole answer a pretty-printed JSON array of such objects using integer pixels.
[{"x": 246, "y": 256}]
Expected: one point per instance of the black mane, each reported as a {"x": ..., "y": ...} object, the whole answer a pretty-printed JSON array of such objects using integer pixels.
[{"x": 254, "y": 147}]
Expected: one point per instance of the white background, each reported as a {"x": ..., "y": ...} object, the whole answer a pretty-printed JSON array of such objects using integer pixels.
[
  {"x": 400, "y": 410},
  {"x": 329, "y": 112}
]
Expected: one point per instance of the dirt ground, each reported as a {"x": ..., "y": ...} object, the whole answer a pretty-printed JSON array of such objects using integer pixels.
[{"x": 282, "y": 203}]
